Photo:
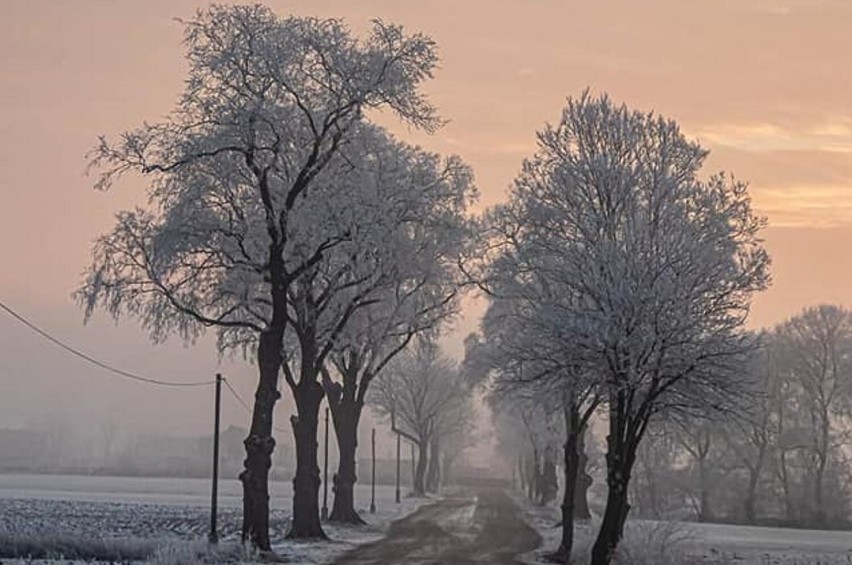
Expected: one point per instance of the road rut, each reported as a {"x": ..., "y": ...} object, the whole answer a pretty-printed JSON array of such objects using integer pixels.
[{"x": 485, "y": 528}]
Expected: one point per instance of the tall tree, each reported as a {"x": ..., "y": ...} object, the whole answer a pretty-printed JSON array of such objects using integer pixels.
[
  {"x": 417, "y": 296},
  {"x": 424, "y": 397},
  {"x": 817, "y": 361},
  {"x": 527, "y": 359},
  {"x": 406, "y": 206},
  {"x": 697, "y": 440},
  {"x": 230, "y": 241},
  {"x": 753, "y": 439},
  {"x": 647, "y": 272}
]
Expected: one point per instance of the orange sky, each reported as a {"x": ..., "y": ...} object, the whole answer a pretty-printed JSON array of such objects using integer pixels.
[{"x": 765, "y": 84}]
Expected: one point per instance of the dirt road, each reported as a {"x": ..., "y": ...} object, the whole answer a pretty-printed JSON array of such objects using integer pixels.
[{"x": 485, "y": 528}]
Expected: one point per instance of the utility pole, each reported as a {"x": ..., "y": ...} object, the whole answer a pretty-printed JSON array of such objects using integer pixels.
[
  {"x": 325, "y": 472},
  {"x": 214, "y": 535},
  {"x": 413, "y": 470},
  {"x": 373, "y": 492},
  {"x": 398, "y": 447}
]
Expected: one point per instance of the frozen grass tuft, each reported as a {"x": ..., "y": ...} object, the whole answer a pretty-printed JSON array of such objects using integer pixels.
[
  {"x": 74, "y": 548},
  {"x": 654, "y": 543},
  {"x": 15, "y": 545},
  {"x": 200, "y": 552}
]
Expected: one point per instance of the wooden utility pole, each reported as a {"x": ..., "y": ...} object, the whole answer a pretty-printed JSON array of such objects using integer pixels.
[
  {"x": 373, "y": 491},
  {"x": 213, "y": 537},
  {"x": 325, "y": 472},
  {"x": 398, "y": 447},
  {"x": 413, "y": 470}
]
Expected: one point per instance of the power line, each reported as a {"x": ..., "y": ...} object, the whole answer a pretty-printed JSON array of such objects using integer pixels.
[
  {"x": 92, "y": 360},
  {"x": 237, "y": 396},
  {"x": 245, "y": 405},
  {"x": 117, "y": 371}
]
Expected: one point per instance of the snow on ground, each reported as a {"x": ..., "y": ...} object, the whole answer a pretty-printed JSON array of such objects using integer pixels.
[
  {"x": 89, "y": 519},
  {"x": 150, "y": 490},
  {"x": 174, "y": 510},
  {"x": 345, "y": 538},
  {"x": 768, "y": 546},
  {"x": 544, "y": 520},
  {"x": 674, "y": 543}
]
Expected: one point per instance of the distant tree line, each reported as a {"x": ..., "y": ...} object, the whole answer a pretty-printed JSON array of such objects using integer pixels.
[{"x": 785, "y": 460}]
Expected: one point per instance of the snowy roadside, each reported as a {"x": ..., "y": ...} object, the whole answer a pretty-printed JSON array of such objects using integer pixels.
[
  {"x": 546, "y": 521},
  {"x": 649, "y": 542},
  {"x": 344, "y": 538}
]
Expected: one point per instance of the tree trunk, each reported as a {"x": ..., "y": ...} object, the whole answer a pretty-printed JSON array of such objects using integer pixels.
[
  {"x": 617, "y": 508},
  {"x": 549, "y": 481},
  {"x": 650, "y": 490},
  {"x": 818, "y": 506},
  {"x": 259, "y": 444},
  {"x": 433, "y": 474},
  {"x": 447, "y": 468},
  {"x": 753, "y": 481},
  {"x": 622, "y": 442},
  {"x": 785, "y": 485},
  {"x": 420, "y": 471},
  {"x": 535, "y": 477},
  {"x": 704, "y": 512},
  {"x": 413, "y": 468},
  {"x": 346, "y": 418},
  {"x": 306, "y": 513},
  {"x": 751, "y": 496},
  {"x": 583, "y": 480},
  {"x": 569, "y": 497}
]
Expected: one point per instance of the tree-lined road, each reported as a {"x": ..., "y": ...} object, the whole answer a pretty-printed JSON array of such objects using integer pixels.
[{"x": 484, "y": 529}]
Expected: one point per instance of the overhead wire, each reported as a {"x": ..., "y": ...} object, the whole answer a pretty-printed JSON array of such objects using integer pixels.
[
  {"x": 244, "y": 404},
  {"x": 120, "y": 372},
  {"x": 88, "y": 358},
  {"x": 236, "y": 395}
]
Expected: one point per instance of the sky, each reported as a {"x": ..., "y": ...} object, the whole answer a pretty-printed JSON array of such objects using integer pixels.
[{"x": 766, "y": 85}]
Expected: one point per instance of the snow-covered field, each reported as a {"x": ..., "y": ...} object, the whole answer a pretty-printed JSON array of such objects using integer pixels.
[
  {"x": 677, "y": 543},
  {"x": 151, "y": 490},
  {"x": 171, "y": 510},
  {"x": 749, "y": 544}
]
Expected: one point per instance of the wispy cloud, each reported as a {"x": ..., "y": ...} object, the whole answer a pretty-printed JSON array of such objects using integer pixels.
[
  {"x": 833, "y": 137},
  {"x": 805, "y": 206},
  {"x": 484, "y": 148}
]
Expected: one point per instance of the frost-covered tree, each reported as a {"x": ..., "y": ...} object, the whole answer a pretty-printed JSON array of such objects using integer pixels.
[
  {"x": 418, "y": 294},
  {"x": 646, "y": 272},
  {"x": 528, "y": 430},
  {"x": 249, "y": 189},
  {"x": 402, "y": 230},
  {"x": 426, "y": 399},
  {"x": 752, "y": 439},
  {"x": 772, "y": 461},
  {"x": 699, "y": 443},
  {"x": 655, "y": 476},
  {"x": 526, "y": 358},
  {"x": 816, "y": 362}
]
